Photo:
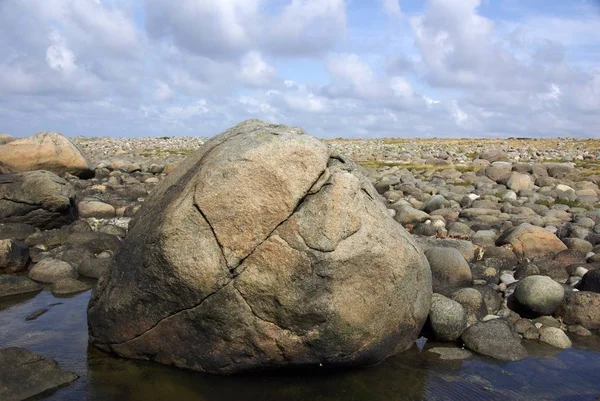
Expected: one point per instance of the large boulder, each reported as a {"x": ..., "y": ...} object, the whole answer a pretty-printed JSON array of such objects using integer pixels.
[
  {"x": 24, "y": 374},
  {"x": 532, "y": 242},
  {"x": 46, "y": 151},
  {"x": 260, "y": 251},
  {"x": 38, "y": 198}
]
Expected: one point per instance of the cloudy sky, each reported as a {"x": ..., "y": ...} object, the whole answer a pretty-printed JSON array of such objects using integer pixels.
[{"x": 337, "y": 68}]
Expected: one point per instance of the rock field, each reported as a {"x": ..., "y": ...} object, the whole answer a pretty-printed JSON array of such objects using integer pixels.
[{"x": 509, "y": 229}]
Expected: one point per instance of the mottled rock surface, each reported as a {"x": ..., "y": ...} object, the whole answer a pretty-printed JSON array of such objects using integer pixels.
[{"x": 262, "y": 250}]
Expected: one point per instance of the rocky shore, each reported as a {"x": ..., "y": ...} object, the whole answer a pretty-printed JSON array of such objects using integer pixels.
[{"x": 510, "y": 230}]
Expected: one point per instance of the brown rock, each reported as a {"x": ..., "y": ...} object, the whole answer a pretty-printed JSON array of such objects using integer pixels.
[
  {"x": 532, "y": 242},
  {"x": 46, "y": 151}
]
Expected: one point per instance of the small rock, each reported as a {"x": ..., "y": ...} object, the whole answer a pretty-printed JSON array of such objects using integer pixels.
[
  {"x": 68, "y": 286},
  {"x": 579, "y": 330},
  {"x": 494, "y": 338},
  {"x": 96, "y": 209},
  {"x": 554, "y": 337},
  {"x": 451, "y": 354},
  {"x": 14, "y": 255},
  {"x": 447, "y": 318}
]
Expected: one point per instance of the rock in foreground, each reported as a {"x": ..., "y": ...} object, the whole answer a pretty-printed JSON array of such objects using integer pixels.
[
  {"x": 49, "y": 151},
  {"x": 24, "y": 374},
  {"x": 262, "y": 251},
  {"x": 38, "y": 198}
]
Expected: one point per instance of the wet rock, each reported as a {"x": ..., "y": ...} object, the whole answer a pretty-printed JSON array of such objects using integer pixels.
[
  {"x": 15, "y": 285},
  {"x": 451, "y": 354},
  {"x": 14, "y": 256},
  {"x": 51, "y": 270},
  {"x": 494, "y": 338},
  {"x": 279, "y": 268},
  {"x": 37, "y": 198},
  {"x": 46, "y": 151},
  {"x": 24, "y": 374}
]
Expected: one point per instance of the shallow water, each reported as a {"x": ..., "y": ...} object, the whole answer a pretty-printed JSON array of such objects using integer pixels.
[{"x": 61, "y": 333}]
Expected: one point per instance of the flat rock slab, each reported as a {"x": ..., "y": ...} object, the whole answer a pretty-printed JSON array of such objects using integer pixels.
[
  {"x": 451, "y": 354},
  {"x": 15, "y": 285},
  {"x": 24, "y": 374}
]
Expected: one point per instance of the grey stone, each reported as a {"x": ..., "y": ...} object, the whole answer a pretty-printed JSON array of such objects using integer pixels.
[
  {"x": 68, "y": 286},
  {"x": 539, "y": 294},
  {"x": 39, "y": 198},
  {"x": 16, "y": 285},
  {"x": 14, "y": 256},
  {"x": 24, "y": 374},
  {"x": 303, "y": 265},
  {"x": 451, "y": 354},
  {"x": 582, "y": 308},
  {"x": 51, "y": 270},
  {"x": 447, "y": 318},
  {"x": 554, "y": 337},
  {"x": 448, "y": 268},
  {"x": 494, "y": 338}
]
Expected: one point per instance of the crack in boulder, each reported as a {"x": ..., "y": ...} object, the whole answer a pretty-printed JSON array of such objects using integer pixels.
[{"x": 235, "y": 270}]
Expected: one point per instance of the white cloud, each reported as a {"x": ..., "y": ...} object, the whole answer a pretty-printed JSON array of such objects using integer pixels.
[
  {"x": 58, "y": 55},
  {"x": 255, "y": 71},
  {"x": 458, "y": 114},
  {"x": 352, "y": 70},
  {"x": 392, "y": 8},
  {"x": 163, "y": 92}
]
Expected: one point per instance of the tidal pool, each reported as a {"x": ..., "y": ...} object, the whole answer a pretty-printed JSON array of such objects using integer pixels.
[{"x": 61, "y": 334}]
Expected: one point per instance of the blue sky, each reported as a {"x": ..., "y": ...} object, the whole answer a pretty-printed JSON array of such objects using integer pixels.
[{"x": 337, "y": 68}]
